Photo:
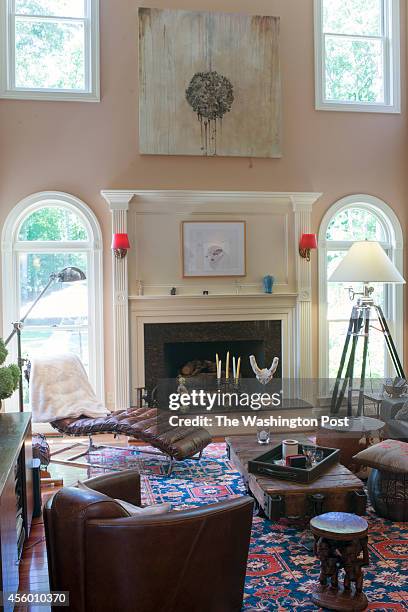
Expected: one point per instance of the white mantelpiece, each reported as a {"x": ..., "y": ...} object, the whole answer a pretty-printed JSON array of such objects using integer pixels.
[{"x": 288, "y": 213}]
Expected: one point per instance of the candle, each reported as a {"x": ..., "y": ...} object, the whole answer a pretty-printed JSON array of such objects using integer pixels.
[
  {"x": 227, "y": 367},
  {"x": 234, "y": 370},
  {"x": 217, "y": 359},
  {"x": 238, "y": 367},
  {"x": 219, "y": 369}
]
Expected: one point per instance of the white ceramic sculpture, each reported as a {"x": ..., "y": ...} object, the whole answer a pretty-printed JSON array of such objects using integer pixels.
[{"x": 264, "y": 375}]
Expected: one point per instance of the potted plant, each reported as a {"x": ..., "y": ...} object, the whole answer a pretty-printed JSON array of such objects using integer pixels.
[{"x": 9, "y": 375}]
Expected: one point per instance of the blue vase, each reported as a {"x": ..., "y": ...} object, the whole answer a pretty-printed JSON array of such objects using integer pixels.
[{"x": 268, "y": 281}]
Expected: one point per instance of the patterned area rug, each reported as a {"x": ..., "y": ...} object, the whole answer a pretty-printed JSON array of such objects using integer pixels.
[{"x": 280, "y": 571}]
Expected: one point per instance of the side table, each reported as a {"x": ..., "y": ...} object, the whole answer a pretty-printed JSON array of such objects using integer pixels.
[
  {"x": 350, "y": 440},
  {"x": 385, "y": 406},
  {"x": 341, "y": 542}
]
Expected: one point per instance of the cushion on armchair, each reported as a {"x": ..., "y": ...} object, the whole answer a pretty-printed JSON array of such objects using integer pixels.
[
  {"x": 146, "y": 510},
  {"x": 132, "y": 509},
  {"x": 402, "y": 414},
  {"x": 389, "y": 456}
]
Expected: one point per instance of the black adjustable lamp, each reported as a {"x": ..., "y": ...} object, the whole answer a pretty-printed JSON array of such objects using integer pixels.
[{"x": 67, "y": 275}]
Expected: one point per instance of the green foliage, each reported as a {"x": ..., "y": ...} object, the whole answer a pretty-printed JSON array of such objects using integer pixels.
[
  {"x": 353, "y": 70},
  {"x": 49, "y": 54},
  {"x": 36, "y": 268},
  {"x": 361, "y": 17},
  {"x": 355, "y": 224},
  {"x": 3, "y": 351},
  {"x": 9, "y": 375},
  {"x": 354, "y": 66},
  {"x": 52, "y": 224},
  {"x": 15, "y": 373}
]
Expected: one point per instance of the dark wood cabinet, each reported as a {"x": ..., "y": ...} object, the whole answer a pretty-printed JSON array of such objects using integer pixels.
[{"x": 16, "y": 495}]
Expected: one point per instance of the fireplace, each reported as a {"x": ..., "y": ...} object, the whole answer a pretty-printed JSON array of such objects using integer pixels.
[
  {"x": 275, "y": 223},
  {"x": 170, "y": 346}
]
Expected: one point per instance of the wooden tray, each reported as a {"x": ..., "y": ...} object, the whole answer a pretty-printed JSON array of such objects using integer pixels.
[{"x": 265, "y": 464}]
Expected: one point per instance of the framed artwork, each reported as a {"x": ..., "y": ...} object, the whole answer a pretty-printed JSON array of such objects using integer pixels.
[
  {"x": 209, "y": 84},
  {"x": 213, "y": 248}
]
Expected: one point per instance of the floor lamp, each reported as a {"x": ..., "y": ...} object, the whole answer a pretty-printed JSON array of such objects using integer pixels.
[
  {"x": 67, "y": 275},
  {"x": 366, "y": 262}
]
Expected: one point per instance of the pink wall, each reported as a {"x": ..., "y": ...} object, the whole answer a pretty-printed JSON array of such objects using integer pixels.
[{"x": 81, "y": 148}]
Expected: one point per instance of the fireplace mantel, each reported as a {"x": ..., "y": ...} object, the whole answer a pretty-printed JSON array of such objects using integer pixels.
[
  {"x": 274, "y": 297},
  {"x": 290, "y": 302}
]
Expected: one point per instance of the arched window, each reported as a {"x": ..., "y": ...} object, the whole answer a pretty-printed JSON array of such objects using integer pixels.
[
  {"x": 352, "y": 218},
  {"x": 43, "y": 234}
]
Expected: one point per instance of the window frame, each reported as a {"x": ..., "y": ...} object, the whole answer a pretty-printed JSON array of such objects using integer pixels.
[
  {"x": 392, "y": 68},
  {"x": 394, "y": 293},
  {"x": 11, "y": 249},
  {"x": 91, "y": 93}
]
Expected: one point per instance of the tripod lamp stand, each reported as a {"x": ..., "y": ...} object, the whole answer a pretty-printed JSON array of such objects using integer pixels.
[
  {"x": 366, "y": 262},
  {"x": 67, "y": 275}
]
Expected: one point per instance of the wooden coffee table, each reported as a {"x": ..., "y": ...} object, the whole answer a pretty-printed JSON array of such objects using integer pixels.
[{"x": 337, "y": 490}]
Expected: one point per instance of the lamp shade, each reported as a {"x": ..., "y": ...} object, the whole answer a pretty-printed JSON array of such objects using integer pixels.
[
  {"x": 366, "y": 262},
  {"x": 308, "y": 241},
  {"x": 120, "y": 241}
]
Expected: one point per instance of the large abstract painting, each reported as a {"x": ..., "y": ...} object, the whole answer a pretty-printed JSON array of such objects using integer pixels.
[{"x": 209, "y": 84}]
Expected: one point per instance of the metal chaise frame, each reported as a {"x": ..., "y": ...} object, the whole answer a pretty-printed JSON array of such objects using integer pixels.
[{"x": 90, "y": 446}]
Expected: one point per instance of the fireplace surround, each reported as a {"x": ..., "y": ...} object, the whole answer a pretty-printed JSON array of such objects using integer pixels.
[
  {"x": 275, "y": 222},
  {"x": 169, "y": 346}
]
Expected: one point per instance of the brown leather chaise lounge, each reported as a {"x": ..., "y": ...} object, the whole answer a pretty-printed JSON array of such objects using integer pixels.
[
  {"x": 144, "y": 424},
  {"x": 183, "y": 561}
]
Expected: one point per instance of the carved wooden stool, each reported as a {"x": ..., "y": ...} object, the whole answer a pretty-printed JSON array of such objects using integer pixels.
[{"x": 341, "y": 543}]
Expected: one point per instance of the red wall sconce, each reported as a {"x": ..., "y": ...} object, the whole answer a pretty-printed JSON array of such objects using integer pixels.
[
  {"x": 120, "y": 245},
  {"x": 306, "y": 244}
]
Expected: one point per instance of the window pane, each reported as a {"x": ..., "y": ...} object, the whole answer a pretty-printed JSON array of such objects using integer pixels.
[
  {"x": 354, "y": 70},
  {"x": 56, "y": 8},
  {"x": 361, "y": 17},
  {"x": 50, "y": 55},
  {"x": 355, "y": 224},
  {"x": 59, "y": 321},
  {"x": 52, "y": 223},
  {"x": 339, "y": 304},
  {"x": 376, "y": 351},
  {"x": 64, "y": 304},
  {"x": 40, "y": 342}
]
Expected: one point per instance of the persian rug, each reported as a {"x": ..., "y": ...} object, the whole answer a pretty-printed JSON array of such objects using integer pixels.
[{"x": 281, "y": 572}]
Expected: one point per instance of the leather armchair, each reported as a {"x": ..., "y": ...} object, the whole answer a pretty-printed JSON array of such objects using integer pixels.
[{"x": 182, "y": 561}]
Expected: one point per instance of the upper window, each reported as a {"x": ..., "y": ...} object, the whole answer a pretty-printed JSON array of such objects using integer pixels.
[
  {"x": 357, "y": 55},
  {"x": 50, "y": 49}
]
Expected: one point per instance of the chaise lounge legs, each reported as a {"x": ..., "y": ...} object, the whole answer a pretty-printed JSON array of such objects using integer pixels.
[
  {"x": 92, "y": 447},
  {"x": 173, "y": 461}
]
